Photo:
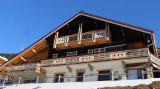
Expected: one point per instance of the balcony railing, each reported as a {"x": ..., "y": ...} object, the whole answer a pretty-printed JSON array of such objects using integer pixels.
[
  {"x": 97, "y": 57},
  {"x": 82, "y": 39},
  {"x": 31, "y": 66}
]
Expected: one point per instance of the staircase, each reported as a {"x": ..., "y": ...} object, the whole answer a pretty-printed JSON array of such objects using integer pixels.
[{"x": 155, "y": 61}]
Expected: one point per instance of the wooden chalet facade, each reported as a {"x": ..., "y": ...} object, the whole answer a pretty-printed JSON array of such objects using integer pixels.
[{"x": 86, "y": 45}]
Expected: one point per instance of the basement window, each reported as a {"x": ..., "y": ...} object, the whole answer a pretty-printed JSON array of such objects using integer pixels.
[{"x": 30, "y": 81}]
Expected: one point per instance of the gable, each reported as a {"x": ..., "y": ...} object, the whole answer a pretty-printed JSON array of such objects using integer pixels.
[{"x": 41, "y": 44}]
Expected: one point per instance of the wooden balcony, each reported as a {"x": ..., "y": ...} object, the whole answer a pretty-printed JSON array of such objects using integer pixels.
[
  {"x": 31, "y": 66},
  {"x": 83, "y": 39},
  {"x": 97, "y": 57}
]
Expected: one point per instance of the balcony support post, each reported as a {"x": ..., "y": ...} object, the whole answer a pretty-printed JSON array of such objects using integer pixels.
[
  {"x": 55, "y": 39},
  {"x": 107, "y": 36},
  {"x": 93, "y": 37},
  {"x": 80, "y": 34},
  {"x": 19, "y": 81},
  {"x": 37, "y": 79},
  {"x": 66, "y": 38}
]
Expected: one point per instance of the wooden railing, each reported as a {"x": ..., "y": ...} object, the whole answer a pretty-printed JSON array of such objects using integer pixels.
[
  {"x": 31, "y": 66},
  {"x": 84, "y": 36},
  {"x": 155, "y": 60},
  {"x": 97, "y": 57}
]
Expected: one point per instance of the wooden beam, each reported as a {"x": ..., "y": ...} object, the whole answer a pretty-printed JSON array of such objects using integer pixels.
[
  {"x": 23, "y": 59},
  {"x": 33, "y": 50}
]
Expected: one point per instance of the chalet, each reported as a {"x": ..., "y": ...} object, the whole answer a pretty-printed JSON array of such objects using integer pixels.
[{"x": 87, "y": 48}]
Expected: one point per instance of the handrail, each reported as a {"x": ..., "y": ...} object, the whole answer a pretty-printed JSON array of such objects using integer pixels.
[
  {"x": 97, "y": 57},
  {"x": 31, "y": 66},
  {"x": 74, "y": 37}
]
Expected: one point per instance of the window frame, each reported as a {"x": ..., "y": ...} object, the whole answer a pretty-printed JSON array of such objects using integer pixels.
[
  {"x": 77, "y": 74},
  {"x": 69, "y": 55},
  {"x": 110, "y": 70},
  {"x": 55, "y": 80},
  {"x": 90, "y": 51},
  {"x": 135, "y": 69},
  {"x": 74, "y": 53},
  {"x": 55, "y": 55},
  {"x": 26, "y": 81}
]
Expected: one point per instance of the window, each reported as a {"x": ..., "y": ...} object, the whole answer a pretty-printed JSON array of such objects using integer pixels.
[
  {"x": 30, "y": 81},
  {"x": 80, "y": 77},
  {"x": 108, "y": 49},
  {"x": 55, "y": 55},
  {"x": 104, "y": 75},
  {"x": 135, "y": 74},
  {"x": 99, "y": 50},
  {"x": 96, "y": 50},
  {"x": 69, "y": 54},
  {"x": 118, "y": 48},
  {"x": 90, "y": 51},
  {"x": 75, "y": 53},
  {"x": 59, "y": 78}
]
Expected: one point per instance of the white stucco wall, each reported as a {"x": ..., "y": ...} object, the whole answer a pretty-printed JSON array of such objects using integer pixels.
[{"x": 114, "y": 66}]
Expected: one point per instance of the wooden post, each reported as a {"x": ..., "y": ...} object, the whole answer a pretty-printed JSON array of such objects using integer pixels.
[
  {"x": 59, "y": 78},
  {"x": 3, "y": 84},
  {"x": 83, "y": 77},
  {"x": 19, "y": 80},
  {"x": 112, "y": 76},
  {"x": 142, "y": 74},
  {"x": 55, "y": 39},
  {"x": 107, "y": 31},
  {"x": 93, "y": 37},
  {"x": 79, "y": 34},
  {"x": 37, "y": 79},
  {"x": 125, "y": 76},
  {"x": 66, "y": 41}
]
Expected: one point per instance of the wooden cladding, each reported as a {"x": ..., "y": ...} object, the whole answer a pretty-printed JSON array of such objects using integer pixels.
[{"x": 135, "y": 45}]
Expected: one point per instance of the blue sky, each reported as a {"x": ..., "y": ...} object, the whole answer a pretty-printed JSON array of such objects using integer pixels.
[{"x": 22, "y": 22}]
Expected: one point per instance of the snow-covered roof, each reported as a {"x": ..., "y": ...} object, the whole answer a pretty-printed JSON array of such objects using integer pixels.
[{"x": 3, "y": 58}]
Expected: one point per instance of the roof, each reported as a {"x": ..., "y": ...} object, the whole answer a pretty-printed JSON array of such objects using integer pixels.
[
  {"x": 87, "y": 15},
  {"x": 3, "y": 58}
]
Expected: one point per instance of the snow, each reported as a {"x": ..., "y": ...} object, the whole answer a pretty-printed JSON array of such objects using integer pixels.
[
  {"x": 82, "y": 85},
  {"x": 3, "y": 58}
]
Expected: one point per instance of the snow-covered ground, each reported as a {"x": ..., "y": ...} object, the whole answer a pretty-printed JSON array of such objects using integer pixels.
[{"x": 82, "y": 85}]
